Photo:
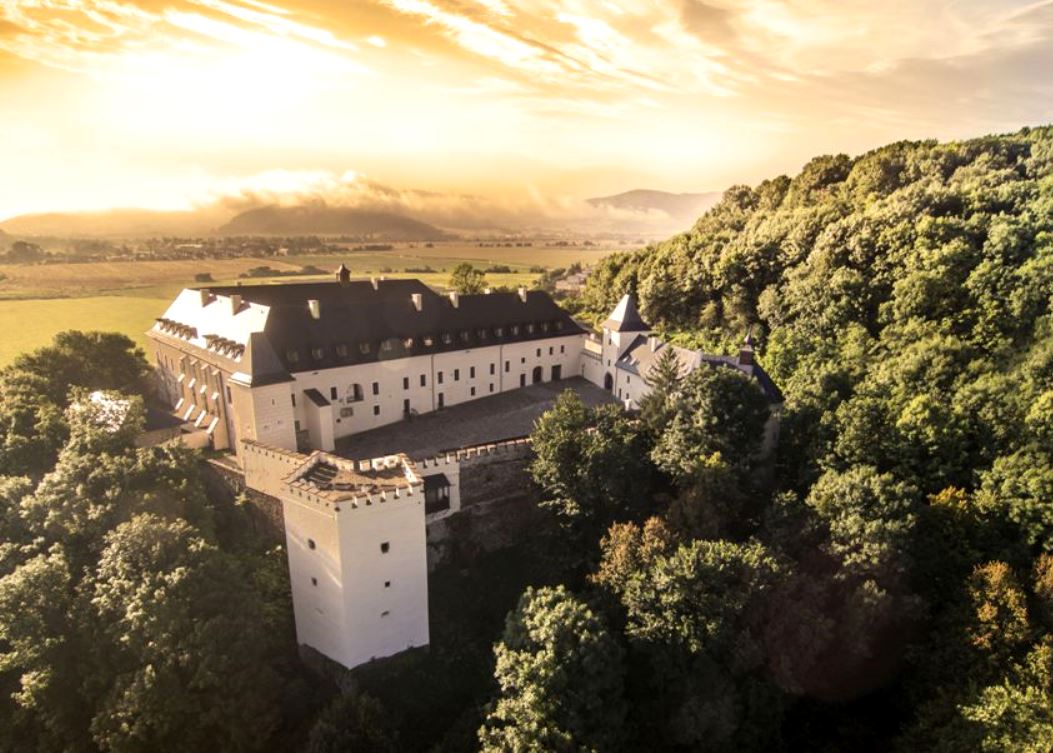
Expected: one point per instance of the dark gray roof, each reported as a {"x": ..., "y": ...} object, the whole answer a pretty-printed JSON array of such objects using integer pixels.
[
  {"x": 436, "y": 481},
  {"x": 316, "y": 397},
  {"x": 626, "y": 317},
  {"x": 360, "y": 324},
  {"x": 261, "y": 363},
  {"x": 638, "y": 359}
]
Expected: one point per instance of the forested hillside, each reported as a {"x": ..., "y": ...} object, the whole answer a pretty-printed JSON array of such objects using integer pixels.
[{"x": 889, "y": 586}]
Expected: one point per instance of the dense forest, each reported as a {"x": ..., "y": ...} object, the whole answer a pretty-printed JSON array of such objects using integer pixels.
[
  {"x": 883, "y": 582},
  {"x": 888, "y": 584}
]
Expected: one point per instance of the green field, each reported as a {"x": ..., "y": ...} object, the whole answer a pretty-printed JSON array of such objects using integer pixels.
[{"x": 38, "y": 301}]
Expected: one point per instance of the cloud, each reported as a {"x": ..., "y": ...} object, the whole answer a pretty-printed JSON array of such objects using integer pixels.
[{"x": 458, "y": 211}]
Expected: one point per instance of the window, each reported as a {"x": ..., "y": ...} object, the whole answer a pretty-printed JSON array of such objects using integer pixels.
[
  {"x": 530, "y": 329},
  {"x": 408, "y": 343},
  {"x": 508, "y": 366},
  {"x": 539, "y": 352},
  {"x": 471, "y": 372},
  {"x": 364, "y": 348},
  {"x": 626, "y": 378},
  {"x": 515, "y": 329},
  {"x": 387, "y": 584},
  {"x": 385, "y": 613},
  {"x": 499, "y": 331},
  {"x": 292, "y": 356},
  {"x": 442, "y": 400},
  {"x": 310, "y": 544},
  {"x": 491, "y": 386},
  {"x": 387, "y": 345},
  {"x": 447, "y": 338},
  {"x": 406, "y": 406},
  {"x": 473, "y": 391},
  {"x": 293, "y": 400},
  {"x": 318, "y": 353},
  {"x": 522, "y": 359},
  {"x": 522, "y": 380},
  {"x": 314, "y": 581},
  {"x": 492, "y": 368},
  {"x": 385, "y": 547},
  {"x": 405, "y": 383},
  {"x": 438, "y": 377},
  {"x": 464, "y": 335},
  {"x": 423, "y": 380},
  {"x": 332, "y": 393},
  {"x": 376, "y": 410},
  {"x": 341, "y": 350},
  {"x": 550, "y": 351},
  {"x": 562, "y": 348},
  {"x": 356, "y": 392},
  {"x": 376, "y": 388},
  {"x": 456, "y": 375}
]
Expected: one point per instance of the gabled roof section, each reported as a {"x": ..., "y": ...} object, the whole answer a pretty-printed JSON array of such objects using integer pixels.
[
  {"x": 362, "y": 323},
  {"x": 626, "y": 317},
  {"x": 260, "y": 364}
]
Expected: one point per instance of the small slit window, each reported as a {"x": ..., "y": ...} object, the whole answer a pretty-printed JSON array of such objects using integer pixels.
[
  {"x": 385, "y": 547},
  {"x": 311, "y": 544}
]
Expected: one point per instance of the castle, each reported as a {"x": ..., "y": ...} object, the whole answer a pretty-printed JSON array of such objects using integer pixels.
[{"x": 335, "y": 398}]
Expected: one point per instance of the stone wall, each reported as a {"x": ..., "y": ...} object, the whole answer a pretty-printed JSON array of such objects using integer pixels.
[{"x": 222, "y": 480}]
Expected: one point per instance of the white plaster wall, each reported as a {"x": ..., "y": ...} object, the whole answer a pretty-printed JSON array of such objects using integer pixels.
[
  {"x": 370, "y": 633},
  {"x": 272, "y": 416},
  {"x": 319, "y": 605},
  {"x": 519, "y": 359}
]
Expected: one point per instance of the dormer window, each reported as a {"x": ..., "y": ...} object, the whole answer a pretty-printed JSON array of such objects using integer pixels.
[
  {"x": 408, "y": 343},
  {"x": 447, "y": 338},
  {"x": 544, "y": 326},
  {"x": 499, "y": 331},
  {"x": 318, "y": 353},
  {"x": 364, "y": 348},
  {"x": 292, "y": 356},
  {"x": 482, "y": 333},
  {"x": 530, "y": 329},
  {"x": 559, "y": 324},
  {"x": 465, "y": 335},
  {"x": 341, "y": 350},
  {"x": 387, "y": 345},
  {"x": 429, "y": 341},
  {"x": 515, "y": 330}
]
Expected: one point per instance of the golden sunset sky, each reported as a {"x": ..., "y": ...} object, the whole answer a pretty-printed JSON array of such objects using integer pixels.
[{"x": 165, "y": 103}]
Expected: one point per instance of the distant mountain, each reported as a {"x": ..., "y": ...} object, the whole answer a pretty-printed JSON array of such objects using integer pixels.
[
  {"x": 679, "y": 206},
  {"x": 325, "y": 220},
  {"x": 116, "y": 222}
]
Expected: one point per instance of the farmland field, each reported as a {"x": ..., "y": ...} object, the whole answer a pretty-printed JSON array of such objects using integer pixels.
[{"x": 38, "y": 301}]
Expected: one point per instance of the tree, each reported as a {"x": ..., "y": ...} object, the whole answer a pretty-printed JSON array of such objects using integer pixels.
[
  {"x": 560, "y": 678},
  {"x": 352, "y": 723},
  {"x": 187, "y": 641},
  {"x": 22, "y": 252},
  {"x": 657, "y": 406},
  {"x": 592, "y": 465},
  {"x": 466, "y": 279},
  {"x": 717, "y": 410}
]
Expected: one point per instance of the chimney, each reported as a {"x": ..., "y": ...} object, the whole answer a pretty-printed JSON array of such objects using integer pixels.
[
  {"x": 523, "y": 294},
  {"x": 746, "y": 351},
  {"x": 418, "y": 301},
  {"x": 235, "y": 304},
  {"x": 315, "y": 307},
  {"x": 206, "y": 296},
  {"x": 343, "y": 275},
  {"x": 653, "y": 342},
  {"x": 488, "y": 291},
  {"x": 455, "y": 298},
  {"x": 374, "y": 283}
]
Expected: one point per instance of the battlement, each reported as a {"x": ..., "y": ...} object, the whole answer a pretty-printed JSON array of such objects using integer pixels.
[{"x": 509, "y": 447}]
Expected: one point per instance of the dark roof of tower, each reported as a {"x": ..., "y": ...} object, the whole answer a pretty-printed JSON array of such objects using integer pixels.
[{"x": 626, "y": 317}]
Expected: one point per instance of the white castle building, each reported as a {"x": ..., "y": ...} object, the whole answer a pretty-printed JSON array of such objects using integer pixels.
[{"x": 287, "y": 378}]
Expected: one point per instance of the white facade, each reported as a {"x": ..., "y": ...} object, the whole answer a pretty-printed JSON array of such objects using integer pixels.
[
  {"x": 356, "y": 531},
  {"x": 357, "y": 554}
]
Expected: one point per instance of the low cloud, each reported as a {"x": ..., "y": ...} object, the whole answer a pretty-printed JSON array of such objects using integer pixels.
[{"x": 454, "y": 211}]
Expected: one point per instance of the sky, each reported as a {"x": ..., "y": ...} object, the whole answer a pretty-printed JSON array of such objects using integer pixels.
[{"x": 174, "y": 103}]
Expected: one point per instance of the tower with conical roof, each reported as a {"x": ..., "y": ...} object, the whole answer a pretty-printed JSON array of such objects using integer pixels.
[{"x": 620, "y": 329}]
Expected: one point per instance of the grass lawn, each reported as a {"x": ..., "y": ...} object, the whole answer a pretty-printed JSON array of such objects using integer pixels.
[{"x": 29, "y": 324}]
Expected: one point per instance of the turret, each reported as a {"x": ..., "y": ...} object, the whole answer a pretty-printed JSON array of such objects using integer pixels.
[{"x": 746, "y": 351}]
